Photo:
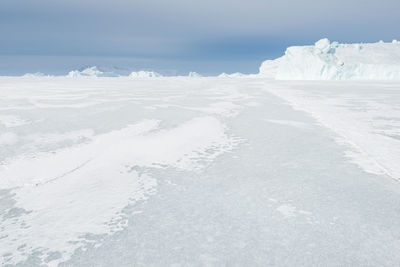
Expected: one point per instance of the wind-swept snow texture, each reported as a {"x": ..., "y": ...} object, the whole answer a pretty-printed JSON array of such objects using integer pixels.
[
  {"x": 68, "y": 185},
  {"x": 365, "y": 118},
  {"x": 179, "y": 171},
  {"x": 334, "y": 61}
]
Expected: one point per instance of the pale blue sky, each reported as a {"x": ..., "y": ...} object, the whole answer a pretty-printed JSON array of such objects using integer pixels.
[{"x": 177, "y": 36}]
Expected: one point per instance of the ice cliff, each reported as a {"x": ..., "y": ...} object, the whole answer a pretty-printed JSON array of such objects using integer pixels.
[{"x": 333, "y": 61}]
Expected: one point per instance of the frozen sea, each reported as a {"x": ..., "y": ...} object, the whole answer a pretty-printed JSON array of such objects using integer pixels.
[{"x": 195, "y": 171}]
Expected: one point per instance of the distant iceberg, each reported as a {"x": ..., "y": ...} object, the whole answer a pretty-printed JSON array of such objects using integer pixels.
[
  {"x": 91, "y": 72},
  {"x": 95, "y": 71},
  {"x": 144, "y": 74},
  {"x": 36, "y": 74},
  {"x": 233, "y": 75},
  {"x": 333, "y": 61},
  {"x": 194, "y": 74}
]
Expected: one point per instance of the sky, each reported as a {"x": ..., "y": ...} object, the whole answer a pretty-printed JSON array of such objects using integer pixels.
[{"x": 178, "y": 36}]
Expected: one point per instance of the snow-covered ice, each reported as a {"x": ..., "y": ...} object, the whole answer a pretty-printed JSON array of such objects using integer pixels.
[
  {"x": 176, "y": 171},
  {"x": 364, "y": 117}
]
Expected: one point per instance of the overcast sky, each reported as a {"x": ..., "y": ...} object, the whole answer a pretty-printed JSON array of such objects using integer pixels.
[{"x": 177, "y": 36}]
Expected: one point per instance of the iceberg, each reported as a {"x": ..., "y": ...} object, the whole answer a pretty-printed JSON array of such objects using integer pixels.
[
  {"x": 36, "y": 74},
  {"x": 90, "y": 72},
  {"x": 233, "y": 75},
  {"x": 194, "y": 74},
  {"x": 144, "y": 74},
  {"x": 269, "y": 68},
  {"x": 327, "y": 60},
  {"x": 95, "y": 71}
]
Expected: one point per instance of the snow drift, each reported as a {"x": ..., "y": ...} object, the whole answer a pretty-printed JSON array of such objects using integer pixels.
[{"x": 334, "y": 61}]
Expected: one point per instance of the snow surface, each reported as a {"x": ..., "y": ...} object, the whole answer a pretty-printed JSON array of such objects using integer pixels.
[
  {"x": 198, "y": 172},
  {"x": 364, "y": 118},
  {"x": 334, "y": 61}
]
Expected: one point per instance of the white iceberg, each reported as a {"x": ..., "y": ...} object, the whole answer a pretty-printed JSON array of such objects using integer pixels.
[
  {"x": 194, "y": 74},
  {"x": 269, "y": 68},
  {"x": 91, "y": 72},
  {"x": 232, "y": 75},
  {"x": 144, "y": 74},
  {"x": 95, "y": 71},
  {"x": 334, "y": 61},
  {"x": 36, "y": 74}
]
